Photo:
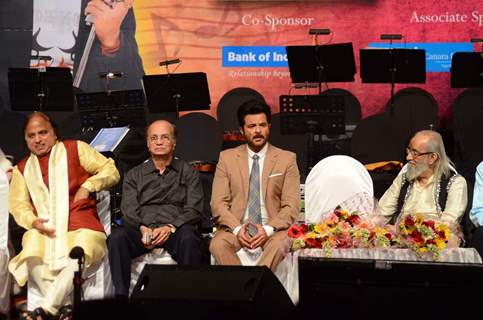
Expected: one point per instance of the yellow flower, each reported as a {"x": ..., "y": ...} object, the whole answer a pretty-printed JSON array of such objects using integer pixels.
[
  {"x": 445, "y": 229},
  {"x": 418, "y": 219},
  {"x": 318, "y": 228},
  {"x": 344, "y": 214},
  {"x": 311, "y": 235},
  {"x": 440, "y": 244}
]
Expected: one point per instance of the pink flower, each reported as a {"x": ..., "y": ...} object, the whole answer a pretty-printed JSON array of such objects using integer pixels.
[{"x": 332, "y": 219}]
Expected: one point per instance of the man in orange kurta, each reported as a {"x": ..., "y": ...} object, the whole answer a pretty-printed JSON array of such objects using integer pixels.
[{"x": 52, "y": 196}]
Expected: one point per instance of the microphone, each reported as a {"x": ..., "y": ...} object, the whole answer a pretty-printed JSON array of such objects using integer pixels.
[
  {"x": 391, "y": 36},
  {"x": 37, "y": 57},
  {"x": 168, "y": 62},
  {"x": 76, "y": 253},
  {"x": 319, "y": 31},
  {"x": 89, "y": 20}
]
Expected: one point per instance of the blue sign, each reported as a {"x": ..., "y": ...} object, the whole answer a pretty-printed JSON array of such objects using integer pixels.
[
  {"x": 254, "y": 56},
  {"x": 438, "y": 54}
]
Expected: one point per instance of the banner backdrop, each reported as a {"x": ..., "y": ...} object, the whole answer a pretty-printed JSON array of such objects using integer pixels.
[{"x": 242, "y": 43}]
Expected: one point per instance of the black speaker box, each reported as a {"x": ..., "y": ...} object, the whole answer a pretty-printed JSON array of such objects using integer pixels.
[
  {"x": 376, "y": 289},
  {"x": 212, "y": 292}
]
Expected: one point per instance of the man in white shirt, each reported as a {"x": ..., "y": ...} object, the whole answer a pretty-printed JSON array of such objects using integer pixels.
[{"x": 427, "y": 184}]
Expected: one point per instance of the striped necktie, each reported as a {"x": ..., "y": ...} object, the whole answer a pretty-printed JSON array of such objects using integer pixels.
[{"x": 254, "y": 209}]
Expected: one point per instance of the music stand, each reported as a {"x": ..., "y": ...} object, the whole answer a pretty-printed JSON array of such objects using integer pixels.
[
  {"x": 321, "y": 64},
  {"x": 393, "y": 66},
  {"x": 316, "y": 114},
  {"x": 111, "y": 109},
  {"x": 177, "y": 92},
  {"x": 310, "y": 115},
  {"x": 467, "y": 70},
  {"x": 48, "y": 89}
]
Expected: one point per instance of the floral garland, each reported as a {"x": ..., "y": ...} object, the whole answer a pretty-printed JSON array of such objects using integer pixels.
[{"x": 341, "y": 229}]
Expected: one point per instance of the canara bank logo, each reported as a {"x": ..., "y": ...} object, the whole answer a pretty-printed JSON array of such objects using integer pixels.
[{"x": 273, "y": 22}]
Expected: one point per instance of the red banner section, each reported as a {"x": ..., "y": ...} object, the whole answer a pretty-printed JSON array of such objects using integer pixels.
[{"x": 199, "y": 32}]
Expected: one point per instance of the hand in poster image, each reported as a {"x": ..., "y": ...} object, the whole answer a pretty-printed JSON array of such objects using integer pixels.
[{"x": 108, "y": 17}]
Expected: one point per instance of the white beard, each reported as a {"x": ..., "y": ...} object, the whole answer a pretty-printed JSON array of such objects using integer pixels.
[{"x": 414, "y": 171}]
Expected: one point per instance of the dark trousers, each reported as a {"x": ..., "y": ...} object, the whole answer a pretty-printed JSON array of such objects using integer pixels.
[
  {"x": 477, "y": 240},
  {"x": 125, "y": 244}
]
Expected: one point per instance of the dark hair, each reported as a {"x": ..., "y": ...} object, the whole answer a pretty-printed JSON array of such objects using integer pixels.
[
  {"x": 253, "y": 107},
  {"x": 43, "y": 116}
]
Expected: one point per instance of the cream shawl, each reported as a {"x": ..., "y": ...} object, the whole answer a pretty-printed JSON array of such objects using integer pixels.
[{"x": 51, "y": 203}]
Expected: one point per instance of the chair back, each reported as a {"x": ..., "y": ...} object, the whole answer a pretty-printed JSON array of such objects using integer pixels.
[{"x": 199, "y": 142}]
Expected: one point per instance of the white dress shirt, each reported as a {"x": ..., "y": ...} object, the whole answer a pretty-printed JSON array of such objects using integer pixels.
[{"x": 261, "y": 160}]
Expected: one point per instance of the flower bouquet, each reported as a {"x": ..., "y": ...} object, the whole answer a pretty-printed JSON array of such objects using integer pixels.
[
  {"x": 341, "y": 229},
  {"x": 427, "y": 235}
]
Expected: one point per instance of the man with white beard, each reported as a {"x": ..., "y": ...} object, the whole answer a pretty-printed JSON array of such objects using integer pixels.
[{"x": 427, "y": 184}]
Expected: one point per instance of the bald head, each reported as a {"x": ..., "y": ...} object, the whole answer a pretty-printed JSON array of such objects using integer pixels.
[
  {"x": 40, "y": 134},
  {"x": 166, "y": 123},
  {"x": 431, "y": 140},
  {"x": 161, "y": 138}
]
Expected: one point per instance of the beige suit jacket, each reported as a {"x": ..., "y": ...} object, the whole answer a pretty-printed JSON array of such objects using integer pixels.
[{"x": 280, "y": 187}]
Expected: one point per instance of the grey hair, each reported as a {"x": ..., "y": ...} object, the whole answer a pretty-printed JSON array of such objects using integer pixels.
[{"x": 434, "y": 143}]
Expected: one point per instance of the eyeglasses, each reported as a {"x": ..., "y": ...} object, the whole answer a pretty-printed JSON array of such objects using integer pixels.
[
  {"x": 162, "y": 137},
  {"x": 415, "y": 153}
]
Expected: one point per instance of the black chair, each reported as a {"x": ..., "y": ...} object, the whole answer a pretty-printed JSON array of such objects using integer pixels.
[
  {"x": 374, "y": 140},
  {"x": 415, "y": 110},
  {"x": 199, "y": 142},
  {"x": 468, "y": 130},
  {"x": 292, "y": 142},
  {"x": 226, "y": 112}
]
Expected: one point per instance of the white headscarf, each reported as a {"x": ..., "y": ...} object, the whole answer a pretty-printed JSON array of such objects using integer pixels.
[{"x": 5, "y": 163}]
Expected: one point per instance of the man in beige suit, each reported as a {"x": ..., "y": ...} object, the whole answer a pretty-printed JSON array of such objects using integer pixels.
[{"x": 255, "y": 195}]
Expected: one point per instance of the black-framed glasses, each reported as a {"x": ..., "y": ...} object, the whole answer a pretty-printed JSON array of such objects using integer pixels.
[{"x": 415, "y": 153}]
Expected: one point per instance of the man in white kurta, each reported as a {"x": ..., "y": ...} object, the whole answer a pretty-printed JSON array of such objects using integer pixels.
[
  {"x": 430, "y": 177},
  {"x": 51, "y": 196}
]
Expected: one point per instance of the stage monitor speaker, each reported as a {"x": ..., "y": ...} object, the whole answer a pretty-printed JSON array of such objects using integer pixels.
[
  {"x": 358, "y": 288},
  {"x": 212, "y": 292}
]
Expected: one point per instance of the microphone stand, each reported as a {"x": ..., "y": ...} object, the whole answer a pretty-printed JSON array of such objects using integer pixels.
[{"x": 78, "y": 282}]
